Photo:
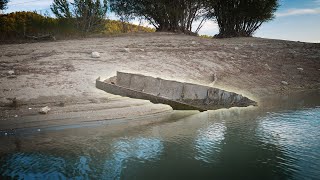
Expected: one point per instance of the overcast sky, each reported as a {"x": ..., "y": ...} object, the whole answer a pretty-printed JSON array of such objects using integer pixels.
[{"x": 297, "y": 20}]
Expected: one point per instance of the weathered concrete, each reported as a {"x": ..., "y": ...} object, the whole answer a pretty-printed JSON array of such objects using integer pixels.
[{"x": 178, "y": 95}]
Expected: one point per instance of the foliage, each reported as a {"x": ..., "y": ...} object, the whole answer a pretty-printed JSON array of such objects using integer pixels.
[
  {"x": 18, "y": 25},
  {"x": 241, "y": 17},
  {"x": 164, "y": 15},
  {"x": 88, "y": 15},
  {"x": 116, "y": 27},
  {"x": 3, "y": 4},
  {"x": 206, "y": 36}
]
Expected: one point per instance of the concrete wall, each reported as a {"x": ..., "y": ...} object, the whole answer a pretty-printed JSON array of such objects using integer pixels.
[{"x": 184, "y": 92}]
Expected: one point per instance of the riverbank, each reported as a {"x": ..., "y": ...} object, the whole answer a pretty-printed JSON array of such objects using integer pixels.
[{"x": 61, "y": 74}]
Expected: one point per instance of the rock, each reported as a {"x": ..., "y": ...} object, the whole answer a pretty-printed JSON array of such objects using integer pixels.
[
  {"x": 268, "y": 67},
  {"x": 44, "y": 110},
  {"x": 39, "y": 130},
  {"x": 193, "y": 42},
  {"x": 11, "y": 72},
  {"x": 126, "y": 50},
  {"x": 300, "y": 69},
  {"x": 236, "y": 48},
  {"x": 95, "y": 55},
  {"x": 284, "y": 83},
  {"x": 142, "y": 50},
  {"x": 5, "y": 134},
  {"x": 15, "y": 116}
]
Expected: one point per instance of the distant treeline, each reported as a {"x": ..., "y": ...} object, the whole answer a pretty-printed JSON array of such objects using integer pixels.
[{"x": 19, "y": 25}]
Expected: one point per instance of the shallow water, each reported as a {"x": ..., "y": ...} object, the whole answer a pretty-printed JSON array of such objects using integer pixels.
[{"x": 239, "y": 143}]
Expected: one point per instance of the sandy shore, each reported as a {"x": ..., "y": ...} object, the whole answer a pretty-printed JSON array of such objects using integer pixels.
[{"x": 62, "y": 74}]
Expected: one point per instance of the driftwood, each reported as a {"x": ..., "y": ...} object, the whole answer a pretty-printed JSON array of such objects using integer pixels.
[{"x": 43, "y": 37}]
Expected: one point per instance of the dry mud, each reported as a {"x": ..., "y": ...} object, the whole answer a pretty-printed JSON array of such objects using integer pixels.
[{"x": 62, "y": 74}]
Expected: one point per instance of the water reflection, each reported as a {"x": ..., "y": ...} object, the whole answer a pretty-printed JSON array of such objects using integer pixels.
[
  {"x": 208, "y": 142},
  {"x": 224, "y": 144},
  {"x": 126, "y": 149},
  {"x": 297, "y": 133},
  {"x": 33, "y": 166}
]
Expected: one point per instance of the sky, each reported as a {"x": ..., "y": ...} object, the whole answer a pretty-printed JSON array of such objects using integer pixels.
[{"x": 296, "y": 20}]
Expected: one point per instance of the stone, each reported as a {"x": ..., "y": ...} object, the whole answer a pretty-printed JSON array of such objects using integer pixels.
[
  {"x": 193, "y": 42},
  {"x": 284, "y": 83},
  {"x": 95, "y": 55},
  {"x": 236, "y": 48},
  {"x": 126, "y": 50},
  {"x": 11, "y": 72},
  {"x": 44, "y": 110},
  {"x": 268, "y": 67},
  {"x": 300, "y": 69},
  {"x": 142, "y": 50}
]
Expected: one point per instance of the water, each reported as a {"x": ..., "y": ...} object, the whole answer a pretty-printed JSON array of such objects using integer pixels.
[{"x": 225, "y": 144}]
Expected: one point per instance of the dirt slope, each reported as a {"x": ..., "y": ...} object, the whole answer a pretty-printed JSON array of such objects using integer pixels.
[{"x": 62, "y": 74}]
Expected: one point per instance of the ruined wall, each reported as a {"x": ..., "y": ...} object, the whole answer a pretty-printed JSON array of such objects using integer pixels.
[{"x": 183, "y": 92}]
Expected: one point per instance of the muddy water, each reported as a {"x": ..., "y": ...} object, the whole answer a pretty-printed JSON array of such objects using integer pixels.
[{"x": 282, "y": 142}]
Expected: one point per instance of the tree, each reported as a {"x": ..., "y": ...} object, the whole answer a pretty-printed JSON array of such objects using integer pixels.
[
  {"x": 88, "y": 15},
  {"x": 241, "y": 17},
  {"x": 164, "y": 15},
  {"x": 3, "y": 4}
]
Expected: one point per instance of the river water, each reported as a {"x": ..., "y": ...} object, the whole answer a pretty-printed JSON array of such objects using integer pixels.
[{"x": 239, "y": 143}]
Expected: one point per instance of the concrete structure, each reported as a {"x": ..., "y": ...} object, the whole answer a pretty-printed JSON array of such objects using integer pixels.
[{"x": 180, "y": 96}]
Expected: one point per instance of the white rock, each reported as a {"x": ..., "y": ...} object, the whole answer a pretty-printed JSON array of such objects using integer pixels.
[
  {"x": 193, "y": 42},
  {"x": 11, "y": 72},
  {"x": 44, "y": 110},
  {"x": 15, "y": 115},
  {"x": 236, "y": 48},
  {"x": 284, "y": 83},
  {"x": 300, "y": 69},
  {"x": 29, "y": 108},
  {"x": 142, "y": 50},
  {"x": 39, "y": 130},
  {"x": 5, "y": 134},
  {"x": 126, "y": 50},
  {"x": 95, "y": 55}
]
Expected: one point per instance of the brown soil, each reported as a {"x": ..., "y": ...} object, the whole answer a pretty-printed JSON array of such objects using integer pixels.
[{"x": 62, "y": 74}]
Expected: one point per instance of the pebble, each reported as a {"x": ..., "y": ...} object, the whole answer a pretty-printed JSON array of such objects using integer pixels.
[
  {"x": 11, "y": 72},
  {"x": 142, "y": 50},
  {"x": 268, "y": 67},
  {"x": 300, "y": 69},
  {"x": 95, "y": 55},
  {"x": 284, "y": 83},
  {"x": 193, "y": 42},
  {"x": 39, "y": 130},
  {"x": 5, "y": 134},
  {"x": 15, "y": 115},
  {"x": 126, "y": 50},
  {"x": 44, "y": 110},
  {"x": 236, "y": 48}
]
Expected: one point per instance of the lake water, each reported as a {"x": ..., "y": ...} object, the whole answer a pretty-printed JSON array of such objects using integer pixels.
[{"x": 240, "y": 143}]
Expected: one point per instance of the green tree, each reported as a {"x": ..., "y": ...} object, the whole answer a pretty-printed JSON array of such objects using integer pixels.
[
  {"x": 164, "y": 15},
  {"x": 88, "y": 15},
  {"x": 3, "y": 4},
  {"x": 238, "y": 18}
]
